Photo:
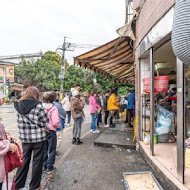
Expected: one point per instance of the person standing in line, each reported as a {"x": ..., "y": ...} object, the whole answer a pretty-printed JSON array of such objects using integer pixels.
[
  {"x": 62, "y": 116},
  {"x": 105, "y": 108},
  {"x": 32, "y": 124},
  {"x": 62, "y": 113},
  {"x": 54, "y": 123},
  {"x": 113, "y": 106},
  {"x": 101, "y": 113},
  {"x": 77, "y": 106},
  {"x": 67, "y": 107},
  {"x": 5, "y": 146},
  {"x": 94, "y": 107},
  {"x": 131, "y": 107},
  {"x": 98, "y": 114}
]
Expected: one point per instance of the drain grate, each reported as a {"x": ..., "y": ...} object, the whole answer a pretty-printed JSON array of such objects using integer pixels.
[{"x": 141, "y": 180}]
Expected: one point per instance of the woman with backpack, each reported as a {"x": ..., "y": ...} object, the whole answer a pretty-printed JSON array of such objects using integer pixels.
[
  {"x": 32, "y": 124},
  {"x": 54, "y": 123}
]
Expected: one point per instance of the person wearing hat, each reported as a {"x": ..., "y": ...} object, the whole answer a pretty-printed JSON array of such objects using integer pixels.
[{"x": 77, "y": 113}]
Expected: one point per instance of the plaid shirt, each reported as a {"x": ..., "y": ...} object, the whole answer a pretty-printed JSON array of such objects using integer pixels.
[{"x": 33, "y": 131}]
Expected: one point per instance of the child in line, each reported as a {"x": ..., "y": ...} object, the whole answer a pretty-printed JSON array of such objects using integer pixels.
[{"x": 51, "y": 142}]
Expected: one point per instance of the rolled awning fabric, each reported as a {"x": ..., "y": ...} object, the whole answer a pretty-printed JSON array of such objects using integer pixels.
[{"x": 181, "y": 31}]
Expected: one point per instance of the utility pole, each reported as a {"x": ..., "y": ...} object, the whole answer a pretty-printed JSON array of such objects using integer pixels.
[
  {"x": 62, "y": 70},
  {"x": 68, "y": 47}
]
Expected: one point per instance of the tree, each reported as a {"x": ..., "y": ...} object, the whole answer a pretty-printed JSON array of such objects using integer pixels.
[
  {"x": 73, "y": 75},
  {"x": 42, "y": 73},
  {"x": 124, "y": 89},
  {"x": 79, "y": 75},
  {"x": 89, "y": 80},
  {"x": 103, "y": 83}
]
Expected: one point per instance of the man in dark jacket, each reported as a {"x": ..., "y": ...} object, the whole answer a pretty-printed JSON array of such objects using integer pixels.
[{"x": 105, "y": 108}]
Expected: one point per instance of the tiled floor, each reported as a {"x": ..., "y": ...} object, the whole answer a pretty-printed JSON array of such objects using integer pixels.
[{"x": 166, "y": 154}]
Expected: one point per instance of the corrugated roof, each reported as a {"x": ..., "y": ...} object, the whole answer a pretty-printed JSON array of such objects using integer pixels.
[{"x": 114, "y": 58}]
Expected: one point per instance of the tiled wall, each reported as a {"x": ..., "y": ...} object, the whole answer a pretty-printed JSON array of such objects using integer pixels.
[{"x": 151, "y": 12}]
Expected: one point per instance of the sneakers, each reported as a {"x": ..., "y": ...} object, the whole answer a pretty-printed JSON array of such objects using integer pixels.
[
  {"x": 106, "y": 125},
  {"x": 58, "y": 154},
  {"x": 49, "y": 171},
  {"x": 96, "y": 131},
  {"x": 91, "y": 130},
  {"x": 74, "y": 140}
]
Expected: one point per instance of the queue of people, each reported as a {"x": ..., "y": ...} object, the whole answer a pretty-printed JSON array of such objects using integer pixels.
[{"x": 39, "y": 122}]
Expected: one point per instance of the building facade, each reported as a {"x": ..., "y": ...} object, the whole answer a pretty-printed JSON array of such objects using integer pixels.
[{"x": 153, "y": 55}]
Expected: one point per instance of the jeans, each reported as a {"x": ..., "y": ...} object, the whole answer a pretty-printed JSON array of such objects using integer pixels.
[
  {"x": 37, "y": 163},
  {"x": 98, "y": 119},
  {"x": 93, "y": 122},
  {"x": 77, "y": 128},
  {"x": 69, "y": 117},
  {"x": 1, "y": 185},
  {"x": 50, "y": 150}
]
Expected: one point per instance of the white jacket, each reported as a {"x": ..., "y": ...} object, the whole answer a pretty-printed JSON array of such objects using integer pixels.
[{"x": 66, "y": 103}]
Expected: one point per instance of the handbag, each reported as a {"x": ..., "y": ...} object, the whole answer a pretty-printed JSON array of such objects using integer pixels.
[
  {"x": 97, "y": 111},
  {"x": 77, "y": 116},
  {"x": 13, "y": 160}
]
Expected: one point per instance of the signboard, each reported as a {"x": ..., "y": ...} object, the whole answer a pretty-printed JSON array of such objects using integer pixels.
[{"x": 9, "y": 73}]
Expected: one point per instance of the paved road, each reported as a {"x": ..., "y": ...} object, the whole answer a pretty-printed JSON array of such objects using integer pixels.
[{"x": 84, "y": 167}]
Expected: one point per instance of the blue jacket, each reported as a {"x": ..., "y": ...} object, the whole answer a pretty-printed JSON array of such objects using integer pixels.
[
  {"x": 131, "y": 101},
  {"x": 62, "y": 113}
]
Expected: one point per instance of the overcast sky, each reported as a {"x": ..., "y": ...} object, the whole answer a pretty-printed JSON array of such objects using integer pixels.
[{"x": 28, "y": 26}]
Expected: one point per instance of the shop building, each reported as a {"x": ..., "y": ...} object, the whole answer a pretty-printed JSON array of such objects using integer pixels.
[{"x": 154, "y": 56}]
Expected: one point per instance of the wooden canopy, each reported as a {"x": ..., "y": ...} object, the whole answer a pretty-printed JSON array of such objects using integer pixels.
[{"x": 114, "y": 58}]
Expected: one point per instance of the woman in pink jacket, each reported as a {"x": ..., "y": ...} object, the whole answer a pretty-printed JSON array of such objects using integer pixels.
[
  {"x": 5, "y": 146},
  {"x": 93, "y": 107},
  {"x": 51, "y": 142}
]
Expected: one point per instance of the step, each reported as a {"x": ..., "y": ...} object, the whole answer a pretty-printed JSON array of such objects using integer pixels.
[{"x": 114, "y": 137}]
